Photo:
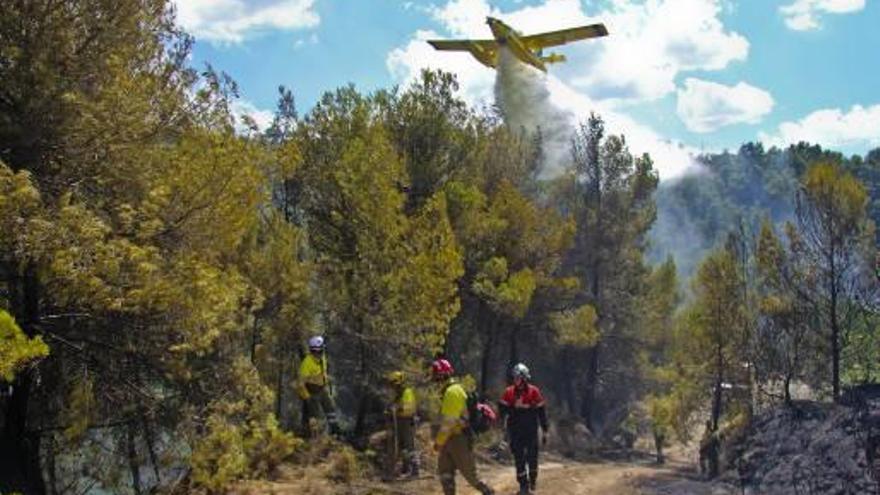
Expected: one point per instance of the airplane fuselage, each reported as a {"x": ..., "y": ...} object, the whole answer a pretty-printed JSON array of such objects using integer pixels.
[{"x": 508, "y": 37}]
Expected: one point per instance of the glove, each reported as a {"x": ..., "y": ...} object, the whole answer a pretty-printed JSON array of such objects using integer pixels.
[{"x": 303, "y": 393}]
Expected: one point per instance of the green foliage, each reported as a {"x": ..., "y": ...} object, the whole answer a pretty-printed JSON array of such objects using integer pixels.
[
  {"x": 661, "y": 300},
  {"x": 829, "y": 189},
  {"x": 709, "y": 345},
  {"x": 20, "y": 204},
  {"x": 16, "y": 349},
  {"x": 432, "y": 131},
  {"x": 143, "y": 237},
  {"x": 395, "y": 273},
  {"x": 218, "y": 457},
  {"x": 861, "y": 351},
  {"x": 576, "y": 327},
  {"x": 787, "y": 336},
  {"x": 424, "y": 291},
  {"x": 241, "y": 436},
  {"x": 80, "y": 408},
  {"x": 661, "y": 410},
  {"x": 508, "y": 294}
]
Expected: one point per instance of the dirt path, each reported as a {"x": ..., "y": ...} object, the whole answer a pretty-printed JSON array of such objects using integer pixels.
[{"x": 558, "y": 477}]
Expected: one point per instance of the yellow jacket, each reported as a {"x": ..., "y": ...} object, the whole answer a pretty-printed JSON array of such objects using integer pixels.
[
  {"x": 312, "y": 373},
  {"x": 405, "y": 405},
  {"x": 453, "y": 412}
]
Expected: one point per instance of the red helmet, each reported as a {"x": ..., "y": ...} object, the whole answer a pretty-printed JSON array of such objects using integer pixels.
[{"x": 441, "y": 368}]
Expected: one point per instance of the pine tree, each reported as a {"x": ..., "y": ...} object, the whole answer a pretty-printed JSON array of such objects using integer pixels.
[
  {"x": 614, "y": 209},
  {"x": 833, "y": 229},
  {"x": 709, "y": 349}
]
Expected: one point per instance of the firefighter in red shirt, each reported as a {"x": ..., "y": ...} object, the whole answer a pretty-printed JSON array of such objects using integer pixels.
[{"x": 523, "y": 411}]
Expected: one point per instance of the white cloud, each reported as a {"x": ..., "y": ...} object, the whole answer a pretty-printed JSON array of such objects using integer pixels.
[
  {"x": 803, "y": 15},
  {"x": 464, "y": 18},
  {"x": 241, "y": 108},
  {"x": 651, "y": 42},
  {"x": 857, "y": 129},
  {"x": 230, "y": 21},
  {"x": 706, "y": 106}
]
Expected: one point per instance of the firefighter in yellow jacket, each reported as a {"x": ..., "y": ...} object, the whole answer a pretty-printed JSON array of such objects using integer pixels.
[
  {"x": 402, "y": 412},
  {"x": 313, "y": 386},
  {"x": 453, "y": 441}
]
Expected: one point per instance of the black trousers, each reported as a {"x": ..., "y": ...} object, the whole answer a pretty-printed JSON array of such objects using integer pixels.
[{"x": 525, "y": 454}]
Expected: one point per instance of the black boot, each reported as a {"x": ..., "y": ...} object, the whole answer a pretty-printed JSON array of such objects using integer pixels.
[
  {"x": 533, "y": 480},
  {"x": 523, "y": 480}
]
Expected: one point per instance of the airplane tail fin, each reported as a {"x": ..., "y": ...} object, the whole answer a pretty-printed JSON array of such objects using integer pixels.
[{"x": 553, "y": 58}]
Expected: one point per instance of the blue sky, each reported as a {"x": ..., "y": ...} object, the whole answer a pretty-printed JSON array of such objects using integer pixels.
[{"x": 675, "y": 76}]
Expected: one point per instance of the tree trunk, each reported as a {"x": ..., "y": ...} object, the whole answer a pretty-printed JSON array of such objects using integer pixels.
[
  {"x": 567, "y": 382},
  {"x": 588, "y": 410},
  {"x": 254, "y": 339},
  {"x": 150, "y": 440},
  {"x": 133, "y": 464},
  {"x": 51, "y": 469},
  {"x": 282, "y": 392},
  {"x": 787, "y": 391},
  {"x": 514, "y": 346},
  {"x": 716, "y": 394},
  {"x": 20, "y": 464},
  {"x": 363, "y": 399},
  {"x": 835, "y": 343},
  {"x": 303, "y": 418},
  {"x": 488, "y": 344}
]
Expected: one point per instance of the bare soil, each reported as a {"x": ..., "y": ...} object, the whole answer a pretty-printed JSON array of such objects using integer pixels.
[{"x": 558, "y": 476}]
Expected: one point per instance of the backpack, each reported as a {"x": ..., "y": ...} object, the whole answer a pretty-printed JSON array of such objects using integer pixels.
[{"x": 481, "y": 416}]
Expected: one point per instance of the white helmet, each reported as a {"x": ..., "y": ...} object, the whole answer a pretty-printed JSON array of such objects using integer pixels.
[
  {"x": 316, "y": 343},
  {"x": 521, "y": 371}
]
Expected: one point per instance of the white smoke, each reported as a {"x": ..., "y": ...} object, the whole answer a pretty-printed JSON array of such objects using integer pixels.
[{"x": 524, "y": 101}]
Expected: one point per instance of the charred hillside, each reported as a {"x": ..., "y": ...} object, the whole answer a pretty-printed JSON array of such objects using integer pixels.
[{"x": 810, "y": 448}]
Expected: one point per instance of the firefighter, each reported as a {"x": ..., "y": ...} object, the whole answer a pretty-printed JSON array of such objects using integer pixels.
[
  {"x": 523, "y": 411},
  {"x": 402, "y": 412},
  {"x": 314, "y": 388},
  {"x": 453, "y": 441}
]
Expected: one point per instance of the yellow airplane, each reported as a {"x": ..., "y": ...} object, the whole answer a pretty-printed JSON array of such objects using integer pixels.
[{"x": 529, "y": 49}]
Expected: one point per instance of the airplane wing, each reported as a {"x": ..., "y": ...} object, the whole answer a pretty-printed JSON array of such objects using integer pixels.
[
  {"x": 463, "y": 45},
  {"x": 555, "y": 38}
]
